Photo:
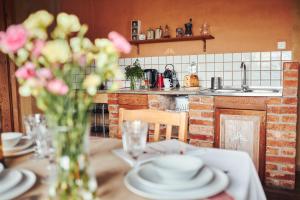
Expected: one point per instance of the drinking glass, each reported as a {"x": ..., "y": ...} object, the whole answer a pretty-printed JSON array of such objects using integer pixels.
[
  {"x": 36, "y": 130},
  {"x": 134, "y": 137}
]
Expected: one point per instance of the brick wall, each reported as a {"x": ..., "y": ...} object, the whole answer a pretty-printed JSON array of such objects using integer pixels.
[
  {"x": 113, "y": 109},
  {"x": 201, "y": 120},
  {"x": 282, "y": 131}
]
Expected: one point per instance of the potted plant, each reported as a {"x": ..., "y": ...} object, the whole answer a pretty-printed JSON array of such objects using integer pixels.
[
  {"x": 134, "y": 73},
  {"x": 45, "y": 67}
]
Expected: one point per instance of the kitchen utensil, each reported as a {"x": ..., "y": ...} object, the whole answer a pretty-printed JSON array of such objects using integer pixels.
[
  {"x": 166, "y": 33},
  {"x": 216, "y": 83},
  {"x": 167, "y": 83},
  {"x": 188, "y": 28},
  {"x": 179, "y": 32},
  {"x": 171, "y": 74},
  {"x": 158, "y": 33},
  {"x": 177, "y": 167},
  {"x": 151, "y": 75},
  {"x": 150, "y": 34},
  {"x": 10, "y": 139},
  {"x": 142, "y": 36},
  {"x": 150, "y": 178},
  {"x": 217, "y": 185},
  {"x": 160, "y": 80},
  {"x": 204, "y": 30}
]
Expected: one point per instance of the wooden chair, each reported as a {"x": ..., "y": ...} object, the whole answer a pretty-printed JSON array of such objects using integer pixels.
[{"x": 157, "y": 117}]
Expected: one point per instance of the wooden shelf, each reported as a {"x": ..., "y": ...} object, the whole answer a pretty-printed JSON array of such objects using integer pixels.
[{"x": 178, "y": 39}]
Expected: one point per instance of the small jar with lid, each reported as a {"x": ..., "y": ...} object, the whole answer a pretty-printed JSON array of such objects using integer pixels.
[{"x": 150, "y": 34}]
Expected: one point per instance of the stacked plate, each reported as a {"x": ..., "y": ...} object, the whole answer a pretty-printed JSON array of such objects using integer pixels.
[
  {"x": 15, "y": 144},
  {"x": 14, "y": 182},
  {"x": 176, "y": 177}
]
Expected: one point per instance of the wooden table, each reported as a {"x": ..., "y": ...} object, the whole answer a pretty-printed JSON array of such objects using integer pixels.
[{"x": 109, "y": 170}]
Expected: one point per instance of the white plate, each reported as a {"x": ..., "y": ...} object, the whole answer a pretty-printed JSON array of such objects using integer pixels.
[
  {"x": 19, "y": 153},
  {"x": 24, "y": 143},
  {"x": 1, "y": 168},
  {"x": 8, "y": 179},
  {"x": 217, "y": 185},
  {"x": 149, "y": 177},
  {"x": 28, "y": 180}
]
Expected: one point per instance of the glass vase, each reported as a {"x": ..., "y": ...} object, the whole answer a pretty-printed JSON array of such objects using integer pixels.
[
  {"x": 135, "y": 84},
  {"x": 73, "y": 176}
]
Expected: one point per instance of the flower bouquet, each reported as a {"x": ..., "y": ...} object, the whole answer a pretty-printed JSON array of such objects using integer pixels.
[{"x": 46, "y": 63}]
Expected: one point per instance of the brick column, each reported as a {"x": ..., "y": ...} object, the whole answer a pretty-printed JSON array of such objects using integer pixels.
[
  {"x": 201, "y": 120},
  {"x": 113, "y": 109},
  {"x": 282, "y": 131}
]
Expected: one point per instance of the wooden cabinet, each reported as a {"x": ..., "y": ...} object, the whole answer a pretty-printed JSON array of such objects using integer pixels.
[
  {"x": 133, "y": 101},
  {"x": 242, "y": 130}
]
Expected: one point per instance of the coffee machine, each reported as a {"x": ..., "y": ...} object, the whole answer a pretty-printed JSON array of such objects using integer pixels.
[{"x": 151, "y": 76}]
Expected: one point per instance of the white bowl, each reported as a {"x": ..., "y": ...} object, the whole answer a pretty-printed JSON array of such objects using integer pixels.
[
  {"x": 177, "y": 167},
  {"x": 10, "y": 139}
]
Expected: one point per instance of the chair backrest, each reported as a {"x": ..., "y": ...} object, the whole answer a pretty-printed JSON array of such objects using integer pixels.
[{"x": 157, "y": 117}]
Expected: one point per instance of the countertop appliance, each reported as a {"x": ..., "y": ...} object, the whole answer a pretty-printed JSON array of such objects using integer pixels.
[
  {"x": 171, "y": 74},
  {"x": 151, "y": 75}
]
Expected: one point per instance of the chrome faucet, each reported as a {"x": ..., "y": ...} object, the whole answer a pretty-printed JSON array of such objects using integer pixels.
[{"x": 245, "y": 87}]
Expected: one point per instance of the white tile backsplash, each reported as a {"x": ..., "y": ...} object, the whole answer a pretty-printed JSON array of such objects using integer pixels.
[
  {"x": 185, "y": 59},
  {"x": 228, "y": 57},
  {"x": 219, "y": 58},
  {"x": 210, "y": 58},
  {"x": 255, "y": 56},
  {"x": 201, "y": 58},
  {"x": 154, "y": 60},
  {"x": 265, "y": 56},
  {"x": 263, "y": 68},
  {"x": 286, "y": 55}
]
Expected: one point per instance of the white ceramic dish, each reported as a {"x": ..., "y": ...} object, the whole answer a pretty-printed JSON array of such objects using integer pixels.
[
  {"x": 19, "y": 153},
  {"x": 8, "y": 179},
  {"x": 217, "y": 185},
  {"x": 1, "y": 168},
  {"x": 177, "y": 167},
  {"x": 150, "y": 178},
  {"x": 10, "y": 139},
  {"x": 24, "y": 143},
  {"x": 28, "y": 180}
]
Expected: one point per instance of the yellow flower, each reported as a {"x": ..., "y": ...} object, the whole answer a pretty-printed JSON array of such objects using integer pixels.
[
  {"x": 37, "y": 23},
  {"x": 40, "y": 19},
  {"x": 91, "y": 83},
  {"x": 69, "y": 23},
  {"x": 57, "y": 51}
]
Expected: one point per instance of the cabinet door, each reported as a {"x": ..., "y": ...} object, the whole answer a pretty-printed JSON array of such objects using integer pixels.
[{"x": 242, "y": 130}]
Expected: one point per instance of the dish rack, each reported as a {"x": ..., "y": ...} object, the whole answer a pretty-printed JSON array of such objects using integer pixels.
[{"x": 182, "y": 103}]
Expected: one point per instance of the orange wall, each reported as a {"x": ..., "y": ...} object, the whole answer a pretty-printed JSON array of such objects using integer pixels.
[{"x": 238, "y": 25}]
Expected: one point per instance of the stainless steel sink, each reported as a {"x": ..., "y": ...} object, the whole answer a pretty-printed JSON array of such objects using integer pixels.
[{"x": 252, "y": 91}]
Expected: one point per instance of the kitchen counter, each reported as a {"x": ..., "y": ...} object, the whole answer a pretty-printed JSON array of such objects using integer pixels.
[{"x": 254, "y": 91}]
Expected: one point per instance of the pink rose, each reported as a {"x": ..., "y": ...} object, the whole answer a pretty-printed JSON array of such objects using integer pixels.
[
  {"x": 120, "y": 42},
  {"x": 44, "y": 73},
  {"x": 26, "y": 72},
  {"x": 14, "y": 38},
  {"x": 38, "y": 46},
  {"x": 57, "y": 86}
]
